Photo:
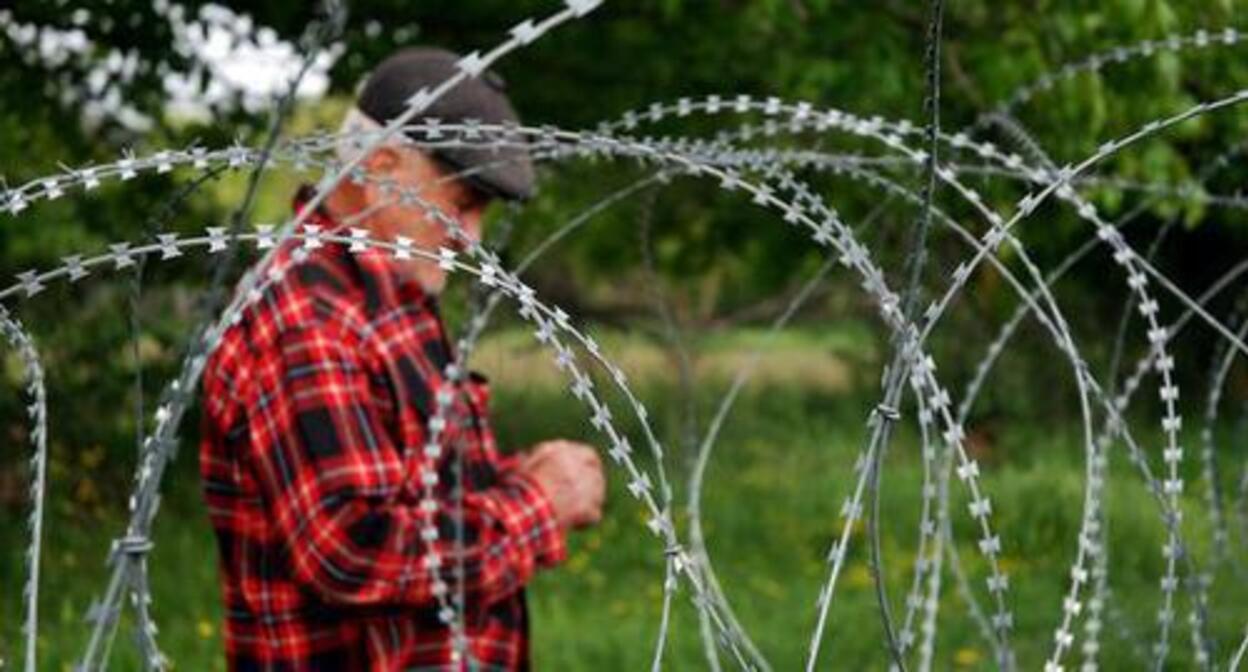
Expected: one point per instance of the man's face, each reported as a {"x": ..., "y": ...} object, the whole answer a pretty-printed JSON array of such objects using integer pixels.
[{"x": 456, "y": 198}]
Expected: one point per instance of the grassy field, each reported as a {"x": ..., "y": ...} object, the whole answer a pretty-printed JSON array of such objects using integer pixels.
[{"x": 773, "y": 493}]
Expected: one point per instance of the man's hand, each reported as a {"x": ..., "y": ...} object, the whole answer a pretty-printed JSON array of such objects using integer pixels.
[{"x": 570, "y": 474}]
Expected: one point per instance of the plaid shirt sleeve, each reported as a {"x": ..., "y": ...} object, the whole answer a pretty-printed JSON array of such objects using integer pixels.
[{"x": 348, "y": 502}]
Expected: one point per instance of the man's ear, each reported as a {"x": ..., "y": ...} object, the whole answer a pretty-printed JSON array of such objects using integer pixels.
[
  {"x": 383, "y": 161},
  {"x": 380, "y": 168}
]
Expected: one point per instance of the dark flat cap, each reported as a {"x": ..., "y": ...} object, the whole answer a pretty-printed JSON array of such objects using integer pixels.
[{"x": 509, "y": 171}]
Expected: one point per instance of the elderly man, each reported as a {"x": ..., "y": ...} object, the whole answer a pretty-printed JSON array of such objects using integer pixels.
[{"x": 348, "y": 520}]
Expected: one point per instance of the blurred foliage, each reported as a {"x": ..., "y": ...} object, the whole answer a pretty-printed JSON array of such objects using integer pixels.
[
  {"x": 863, "y": 57},
  {"x": 720, "y": 259}
]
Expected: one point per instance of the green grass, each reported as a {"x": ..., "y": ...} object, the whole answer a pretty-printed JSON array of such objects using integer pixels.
[{"x": 781, "y": 470}]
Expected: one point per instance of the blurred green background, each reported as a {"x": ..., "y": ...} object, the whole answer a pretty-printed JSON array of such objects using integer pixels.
[{"x": 725, "y": 270}]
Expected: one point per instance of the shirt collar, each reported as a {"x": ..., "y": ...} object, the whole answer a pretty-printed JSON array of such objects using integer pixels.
[{"x": 376, "y": 263}]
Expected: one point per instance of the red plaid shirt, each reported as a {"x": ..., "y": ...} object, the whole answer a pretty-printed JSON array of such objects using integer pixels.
[{"x": 316, "y": 416}]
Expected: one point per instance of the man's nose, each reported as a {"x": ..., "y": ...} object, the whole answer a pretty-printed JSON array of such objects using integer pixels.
[
  {"x": 471, "y": 221},
  {"x": 470, "y": 224}
]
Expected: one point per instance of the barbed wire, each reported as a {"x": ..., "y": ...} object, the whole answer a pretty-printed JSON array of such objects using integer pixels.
[
  {"x": 768, "y": 178},
  {"x": 36, "y": 280}
]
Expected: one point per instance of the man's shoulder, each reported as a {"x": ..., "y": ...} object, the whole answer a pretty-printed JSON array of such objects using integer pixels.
[
  {"x": 304, "y": 289},
  {"x": 293, "y": 296}
]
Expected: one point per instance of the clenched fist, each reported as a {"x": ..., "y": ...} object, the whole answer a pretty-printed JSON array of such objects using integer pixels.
[{"x": 570, "y": 474}]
